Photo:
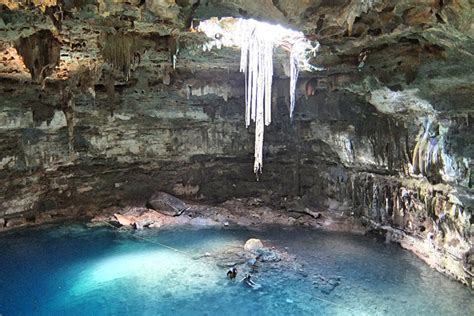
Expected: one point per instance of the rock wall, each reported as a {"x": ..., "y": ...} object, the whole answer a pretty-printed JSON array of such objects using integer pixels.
[
  {"x": 158, "y": 138},
  {"x": 340, "y": 153}
]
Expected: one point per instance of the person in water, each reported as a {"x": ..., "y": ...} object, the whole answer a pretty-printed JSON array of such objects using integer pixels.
[
  {"x": 232, "y": 273},
  {"x": 248, "y": 280}
]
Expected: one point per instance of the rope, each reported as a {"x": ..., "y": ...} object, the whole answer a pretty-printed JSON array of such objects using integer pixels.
[
  {"x": 153, "y": 242},
  {"x": 162, "y": 245}
]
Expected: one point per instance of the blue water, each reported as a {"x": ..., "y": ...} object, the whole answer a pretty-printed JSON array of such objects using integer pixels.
[{"x": 76, "y": 270}]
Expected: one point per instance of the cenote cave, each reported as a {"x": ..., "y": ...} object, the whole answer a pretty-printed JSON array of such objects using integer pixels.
[{"x": 236, "y": 157}]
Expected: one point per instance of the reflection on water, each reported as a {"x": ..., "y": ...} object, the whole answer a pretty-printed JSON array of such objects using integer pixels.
[{"x": 76, "y": 270}]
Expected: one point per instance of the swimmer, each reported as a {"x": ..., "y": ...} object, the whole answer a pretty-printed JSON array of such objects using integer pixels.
[
  {"x": 232, "y": 273},
  {"x": 248, "y": 281}
]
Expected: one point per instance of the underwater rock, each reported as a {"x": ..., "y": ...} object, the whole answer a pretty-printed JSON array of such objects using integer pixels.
[
  {"x": 326, "y": 285},
  {"x": 253, "y": 245},
  {"x": 252, "y": 262},
  {"x": 167, "y": 204},
  {"x": 268, "y": 255},
  {"x": 231, "y": 257}
]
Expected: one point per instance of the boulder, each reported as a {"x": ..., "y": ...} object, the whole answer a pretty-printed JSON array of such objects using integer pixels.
[
  {"x": 167, "y": 204},
  {"x": 14, "y": 222},
  {"x": 124, "y": 220},
  {"x": 2, "y": 222},
  {"x": 253, "y": 245}
]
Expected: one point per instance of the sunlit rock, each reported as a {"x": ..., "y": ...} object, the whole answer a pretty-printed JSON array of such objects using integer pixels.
[{"x": 253, "y": 245}]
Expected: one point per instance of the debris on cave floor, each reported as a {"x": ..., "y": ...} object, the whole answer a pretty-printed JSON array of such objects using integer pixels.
[{"x": 165, "y": 210}]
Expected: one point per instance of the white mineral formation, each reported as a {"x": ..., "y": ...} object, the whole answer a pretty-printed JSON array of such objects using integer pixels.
[{"x": 257, "y": 40}]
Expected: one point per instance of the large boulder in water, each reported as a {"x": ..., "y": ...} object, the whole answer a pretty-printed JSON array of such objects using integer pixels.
[
  {"x": 167, "y": 204},
  {"x": 253, "y": 245}
]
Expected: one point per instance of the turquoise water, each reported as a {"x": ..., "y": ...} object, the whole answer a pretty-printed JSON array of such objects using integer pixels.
[{"x": 75, "y": 270}]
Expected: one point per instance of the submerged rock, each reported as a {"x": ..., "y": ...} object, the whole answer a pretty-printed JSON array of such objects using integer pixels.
[
  {"x": 326, "y": 285},
  {"x": 255, "y": 246},
  {"x": 268, "y": 255}
]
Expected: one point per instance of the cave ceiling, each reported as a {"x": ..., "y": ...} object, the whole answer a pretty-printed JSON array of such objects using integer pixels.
[{"x": 408, "y": 50}]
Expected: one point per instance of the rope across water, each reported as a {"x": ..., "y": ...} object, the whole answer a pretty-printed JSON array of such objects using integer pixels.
[
  {"x": 194, "y": 258},
  {"x": 153, "y": 241}
]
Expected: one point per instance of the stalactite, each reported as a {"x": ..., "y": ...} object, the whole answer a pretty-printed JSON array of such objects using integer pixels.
[
  {"x": 40, "y": 52},
  {"x": 122, "y": 51},
  {"x": 257, "y": 64},
  {"x": 426, "y": 155},
  {"x": 293, "y": 78}
]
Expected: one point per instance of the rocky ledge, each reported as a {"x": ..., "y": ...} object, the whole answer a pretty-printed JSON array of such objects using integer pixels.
[{"x": 238, "y": 212}]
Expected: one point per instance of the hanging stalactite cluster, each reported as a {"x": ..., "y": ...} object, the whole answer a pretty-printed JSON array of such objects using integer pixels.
[
  {"x": 40, "y": 53},
  {"x": 121, "y": 51},
  {"x": 257, "y": 42},
  {"x": 256, "y": 61}
]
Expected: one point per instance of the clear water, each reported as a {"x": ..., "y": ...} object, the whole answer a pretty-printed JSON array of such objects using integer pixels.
[{"x": 75, "y": 270}]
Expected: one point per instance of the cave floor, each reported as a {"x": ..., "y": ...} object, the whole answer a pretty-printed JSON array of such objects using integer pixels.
[{"x": 74, "y": 268}]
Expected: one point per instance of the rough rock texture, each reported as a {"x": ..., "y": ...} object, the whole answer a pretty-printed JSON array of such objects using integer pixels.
[
  {"x": 93, "y": 115},
  {"x": 232, "y": 213},
  {"x": 167, "y": 204}
]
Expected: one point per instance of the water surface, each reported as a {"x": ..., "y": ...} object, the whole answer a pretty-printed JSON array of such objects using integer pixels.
[{"x": 76, "y": 270}]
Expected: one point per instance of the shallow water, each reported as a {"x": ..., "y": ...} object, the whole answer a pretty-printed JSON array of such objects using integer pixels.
[{"x": 75, "y": 270}]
